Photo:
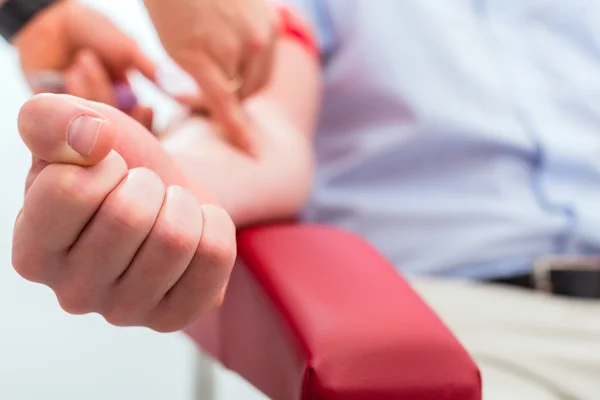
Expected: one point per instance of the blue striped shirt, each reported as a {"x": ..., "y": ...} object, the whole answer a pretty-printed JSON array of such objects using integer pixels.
[{"x": 462, "y": 138}]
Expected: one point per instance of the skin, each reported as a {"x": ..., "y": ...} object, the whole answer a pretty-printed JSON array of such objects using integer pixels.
[
  {"x": 226, "y": 46},
  {"x": 139, "y": 229},
  {"x": 275, "y": 183},
  {"x": 89, "y": 51},
  {"x": 100, "y": 236},
  {"x": 223, "y": 42},
  {"x": 68, "y": 27}
]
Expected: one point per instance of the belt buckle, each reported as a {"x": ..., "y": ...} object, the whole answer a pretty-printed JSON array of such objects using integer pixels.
[{"x": 544, "y": 265}]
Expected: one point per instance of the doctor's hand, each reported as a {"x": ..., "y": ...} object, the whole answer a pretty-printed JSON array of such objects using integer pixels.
[
  {"x": 51, "y": 41},
  {"x": 226, "y": 46}
]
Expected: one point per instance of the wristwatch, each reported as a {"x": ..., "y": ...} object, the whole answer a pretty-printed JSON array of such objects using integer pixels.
[{"x": 15, "y": 14}]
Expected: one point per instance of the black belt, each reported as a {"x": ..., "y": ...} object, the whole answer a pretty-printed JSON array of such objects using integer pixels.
[{"x": 580, "y": 283}]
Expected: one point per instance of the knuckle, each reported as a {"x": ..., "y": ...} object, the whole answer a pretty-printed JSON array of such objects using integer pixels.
[
  {"x": 176, "y": 239},
  {"x": 25, "y": 263},
  {"x": 121, "y": 316},
  {"x": 228, "y": 51},
  {"x": 126, "y": 310},
  {"x": 27, "y": 271},
  {"x": 30, "y": 262},
  {"x": 219, "y": 250},
  {"x": 186, "y": 49},
  {"x": 219, "y": 247},
  {"x": 196, "y": 40},
  {"x": 76, "y": 299},
  {"x": 164, "y": 324},
  {"x": 258, "y": 41},
  {"x": 126, "y": 215},
  {"x": 69, "y": 183}
]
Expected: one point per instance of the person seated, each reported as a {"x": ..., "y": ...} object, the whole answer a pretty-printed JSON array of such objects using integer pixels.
[{"x": 460, "y": 139}]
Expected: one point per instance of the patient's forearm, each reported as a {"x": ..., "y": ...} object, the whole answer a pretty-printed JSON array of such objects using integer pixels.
[
  {"x": 276, "y": 183},
  {"x": 273, "y": 185}
]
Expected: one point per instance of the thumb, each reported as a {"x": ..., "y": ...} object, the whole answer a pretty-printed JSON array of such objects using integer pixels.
[{"x": 58, "y": 129}]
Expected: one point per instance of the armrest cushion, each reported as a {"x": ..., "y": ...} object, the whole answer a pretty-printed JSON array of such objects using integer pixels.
[{"x": 316, "y": 313}]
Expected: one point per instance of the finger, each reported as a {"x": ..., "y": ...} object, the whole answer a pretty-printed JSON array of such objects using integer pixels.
[
  {"x": 143, "y": 115},
  {"x": 118, "y": 51},
  {"x": 57, "y": 129},
  {"x": 161, "y": 260},
  {"x": 226, "y": 52},
  {"x": 37, "y": 166},
  {"x": 259, "y": 51},
  {"x": 97, "y": 78},
  {"x": 201, "y": 286},
  {"x": 257, "y": 71},
  {"x": 135, "y": 143},
  {"x": 76, "y": 82},
  {"x": 109, "y": 242},
  {"x": 223, "y": 103},
  {"x": 144, "y": 64},
  {"x": 60, "y": 202}
]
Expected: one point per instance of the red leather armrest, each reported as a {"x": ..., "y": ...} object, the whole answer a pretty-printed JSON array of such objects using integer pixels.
[{"x": 316, "y": 313}]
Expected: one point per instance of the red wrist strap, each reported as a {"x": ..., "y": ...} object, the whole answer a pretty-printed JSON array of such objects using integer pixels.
[{"x": 293, "y": 27}]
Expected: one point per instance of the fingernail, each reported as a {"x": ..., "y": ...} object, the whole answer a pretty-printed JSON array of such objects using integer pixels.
[{"x": 83, "y": 134}]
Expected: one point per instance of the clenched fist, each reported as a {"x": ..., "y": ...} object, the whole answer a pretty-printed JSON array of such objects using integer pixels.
[{"x": 111, "y": 223}]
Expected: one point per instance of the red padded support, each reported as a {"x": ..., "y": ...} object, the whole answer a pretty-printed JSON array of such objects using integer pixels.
[{"x": 316, "y": 313}]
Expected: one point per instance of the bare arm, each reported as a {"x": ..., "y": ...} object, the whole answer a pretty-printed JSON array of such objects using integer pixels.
[{"x": 277, "y": 182}]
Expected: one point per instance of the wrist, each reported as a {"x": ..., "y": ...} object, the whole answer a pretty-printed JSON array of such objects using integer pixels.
[{"x": 45, "y": 21}]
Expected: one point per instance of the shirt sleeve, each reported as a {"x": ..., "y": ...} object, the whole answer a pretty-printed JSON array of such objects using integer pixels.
[{"x": 316, "y": 14}]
